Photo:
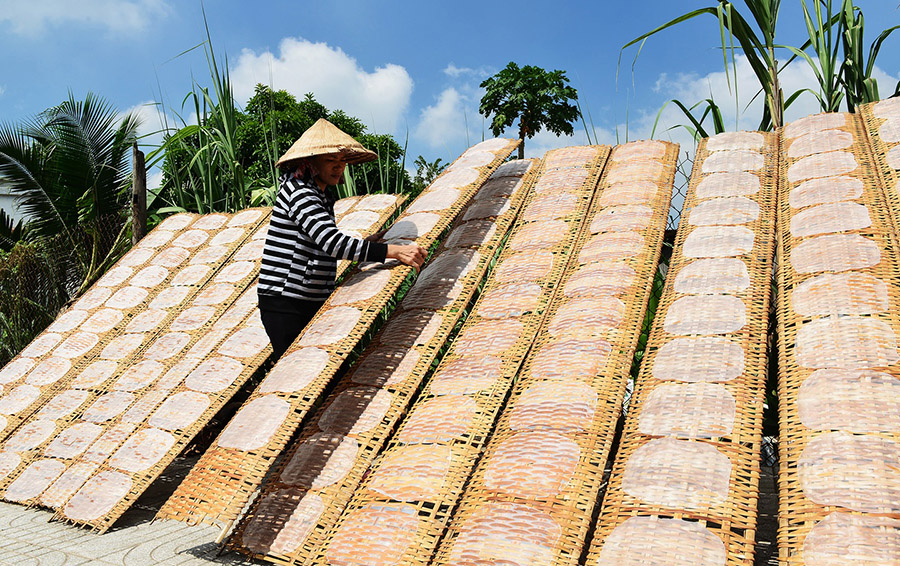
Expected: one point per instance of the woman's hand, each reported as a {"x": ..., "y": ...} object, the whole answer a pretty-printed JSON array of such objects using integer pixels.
[{"x": 412, "y": 254}]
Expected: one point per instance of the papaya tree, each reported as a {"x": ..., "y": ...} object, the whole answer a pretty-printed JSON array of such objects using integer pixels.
[{"x": 535, "y": 97}]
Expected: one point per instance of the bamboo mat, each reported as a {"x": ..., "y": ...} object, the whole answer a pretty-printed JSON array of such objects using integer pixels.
[
  {"x": 684, "y": 484},
  {"x": 401, "y": 510},
  {"x": 543, "y": 466},
  {"x": 85, "y": 422},
  {"x": 881, "y": 121},
  {"x": 174, "y": 391},
  {"x": 170, "y": 390},
  {"x": 31, "y": 378},
  {"x": 839, "y": 393},
  {"x": 219, "y": 486},
  {"x": 322, "y": 468},
  {"x": 111, "y": 320}
]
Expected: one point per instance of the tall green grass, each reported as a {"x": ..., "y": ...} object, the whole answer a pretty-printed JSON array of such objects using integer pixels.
[
  {"x": 835, "y": 51},
  {"x": 203, "y": 169}
]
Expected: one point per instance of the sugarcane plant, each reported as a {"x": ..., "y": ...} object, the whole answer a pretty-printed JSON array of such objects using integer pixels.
[
  {"x": 755, "y": 40},
  {"x": 835, "y": 51},
  {"x": 858, "y": 68}
]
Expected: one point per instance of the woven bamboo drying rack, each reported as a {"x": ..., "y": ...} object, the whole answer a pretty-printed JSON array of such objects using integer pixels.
[
  {"x": 245, "y": 314},
  {"x": 464, "y": 441},
  {"x": 17, "y": 372},
  {"x": 227, "y": 241},
  {"x": 284, "y": 496},
  {"x": 882, "y": 121},
  {"x": 343, "y": 206},
  {"x": 838, "y": 403},
  {"x": 646, "y": 513},
  {"x": 234, "y": 314},
  {"x": 112, "y": 295},
  {"x": 222, "y": 482},
  {"x": 233, "y": 276},
  {"x": 566, "y": 501}
]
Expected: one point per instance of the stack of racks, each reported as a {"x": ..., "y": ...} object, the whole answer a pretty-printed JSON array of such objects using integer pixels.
[
  {"x": 219, "y": 486},
  {"x": 532, "y": 496},
  {"x": 403, "y": 506},
  {"x": 839, "y": 393},
  {"x": 307, "y": 492},
  {"x": 500, "y": 457},
  {"x": 684, "y": 484}
]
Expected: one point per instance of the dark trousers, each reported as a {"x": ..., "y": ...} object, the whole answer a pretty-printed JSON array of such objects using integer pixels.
[{"x": 284, "y": 319}]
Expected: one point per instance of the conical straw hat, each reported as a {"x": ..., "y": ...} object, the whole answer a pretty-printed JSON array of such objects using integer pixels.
[{"x": 325, "y": 138}]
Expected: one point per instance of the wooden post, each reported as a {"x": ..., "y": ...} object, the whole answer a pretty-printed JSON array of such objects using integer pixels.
[{"x": 138, "y": 196}]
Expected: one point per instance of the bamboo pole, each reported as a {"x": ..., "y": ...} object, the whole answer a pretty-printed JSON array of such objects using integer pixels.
[{"x": 138, "y": 196}]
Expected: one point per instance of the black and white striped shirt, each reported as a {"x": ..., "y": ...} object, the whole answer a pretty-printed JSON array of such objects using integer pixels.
[{"x": 303, "y": 244}]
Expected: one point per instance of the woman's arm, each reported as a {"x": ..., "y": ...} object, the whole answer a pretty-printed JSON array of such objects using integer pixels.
[
  {"x": 314, "y": 219},
  {"x": 318, "y": 223}
]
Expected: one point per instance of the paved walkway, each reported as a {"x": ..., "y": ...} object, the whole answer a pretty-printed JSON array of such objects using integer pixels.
[{"x": 27, "y": 538}]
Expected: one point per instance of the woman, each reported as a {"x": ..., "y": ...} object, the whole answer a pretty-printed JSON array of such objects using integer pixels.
[{"x": 299, "y": 261}]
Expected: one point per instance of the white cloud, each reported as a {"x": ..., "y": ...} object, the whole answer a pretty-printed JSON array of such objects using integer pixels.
[
  {"x": 453, "y": 123},
  {"x": 154, "y": 179},
  {"x": 886, "y": 83},
  {"x": 379, "y": 98},
  {"x": 453, "y": 71},
  {"x": 151, "y": 130},
  {"x": 2, "y": 89},
  {"x": 660, "y": 82},
  {"x": 741, "y": 107},
  {"x": 153, "y": 123},
  {"x": 118, "y": 16},
  {"x": 444, "y": 122}
]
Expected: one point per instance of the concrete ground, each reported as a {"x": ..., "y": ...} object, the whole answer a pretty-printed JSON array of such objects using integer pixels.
[{"x": 28, "y": 539}]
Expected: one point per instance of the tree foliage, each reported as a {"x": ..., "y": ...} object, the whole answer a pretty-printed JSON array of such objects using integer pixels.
[
  {"x": 272, "y": 122},
  {"x": 70, "y": 167},
  {"x": 11, "y": 232},
  {"x": 269, "y": 124},
  {"x": 202, "y": 164},
  {"x": 756, "y": 41},
  {"x": 537, "y": 98},
  {"x": 858, "y": 68},
  {"x": 426, "y": 171},
  {"x": 33, "y": 284}
]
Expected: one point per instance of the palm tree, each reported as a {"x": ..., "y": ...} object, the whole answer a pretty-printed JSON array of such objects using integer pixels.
[
  {"x": 426, "y": 171},
  {"x": 10, "y": 231},
  {"x": 70, "y": 168}
]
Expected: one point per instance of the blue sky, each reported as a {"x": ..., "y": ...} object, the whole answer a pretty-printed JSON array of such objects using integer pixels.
[{"x": 406, "y": 68}]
